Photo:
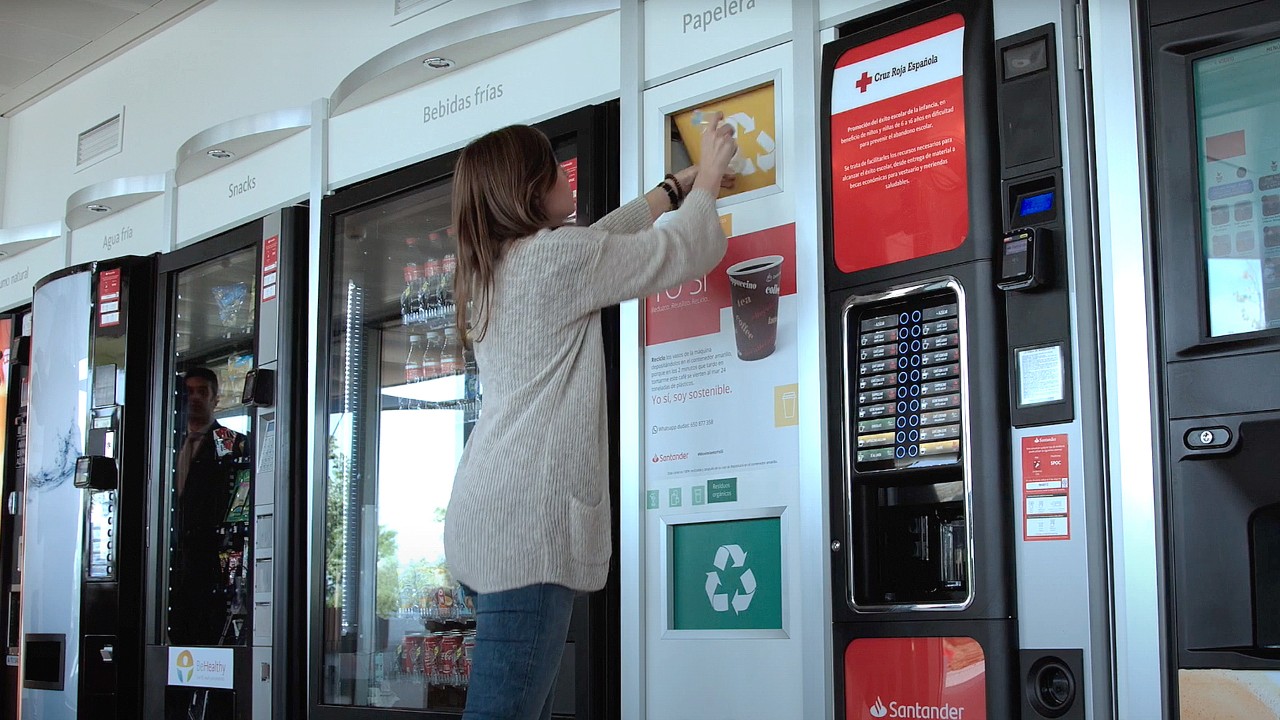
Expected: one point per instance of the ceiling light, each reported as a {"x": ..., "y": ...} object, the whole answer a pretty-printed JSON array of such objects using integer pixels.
[
  {"x": 220, "y": 154},
  {"x": 98, "y": 208},
  {"x": 438, "y": 63}
]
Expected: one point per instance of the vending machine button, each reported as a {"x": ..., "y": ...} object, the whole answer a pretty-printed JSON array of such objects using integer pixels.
[
  {"x": 879, "y": 366},
  {"x": 938, "y": 372},
  {"x": 878, "y": 338},
  {"x": 875, "y": 455},
  {"x": 875, "y": 381},
  {"x": 877, "y": 440},
  {"x": 942, "y": 432},
  {"x": 870, "y": 426},
  {"x": 879, "y": 323},
  {"x": 937, "y": 342},
  {"x": 879, "y": 352},
  {"x": 875, "y": 411},
  {"x": 940, "y": 326},
  {"x": 945, "y": 417},
  {"x": 1205, "y": 438},
  {"x": 939, "y": 312},
  {"x": 941, "y": 447},
  {"x": 939, "y": 357},
  {"x": 940, "y": 402},
  {"x": 877, "y": 396},
  {"x": 939, "y": 387}
]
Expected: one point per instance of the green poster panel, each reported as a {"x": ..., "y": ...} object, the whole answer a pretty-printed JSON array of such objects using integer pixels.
[{"x": 727, "y": 575}]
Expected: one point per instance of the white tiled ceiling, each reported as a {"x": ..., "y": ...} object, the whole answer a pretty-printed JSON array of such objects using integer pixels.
[{"x": 45, "y": 42}]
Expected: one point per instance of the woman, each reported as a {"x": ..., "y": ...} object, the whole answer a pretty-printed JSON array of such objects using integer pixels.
[{"x": 528, "y": 525}]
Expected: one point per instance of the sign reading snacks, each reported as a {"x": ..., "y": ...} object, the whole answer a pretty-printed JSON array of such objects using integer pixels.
[
  {"x": 727, "y": 575},
  {"x": 201, "y": 667}
]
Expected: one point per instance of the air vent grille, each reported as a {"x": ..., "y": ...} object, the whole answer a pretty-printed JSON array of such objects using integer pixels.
[{"x": 100, "y": 141}]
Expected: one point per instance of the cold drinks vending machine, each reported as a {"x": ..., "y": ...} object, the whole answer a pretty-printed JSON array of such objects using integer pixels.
[{"x": 922, "y": 558}]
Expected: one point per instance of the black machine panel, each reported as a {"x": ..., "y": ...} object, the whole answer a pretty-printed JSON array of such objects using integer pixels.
[{"x": 1216, "y": 174}]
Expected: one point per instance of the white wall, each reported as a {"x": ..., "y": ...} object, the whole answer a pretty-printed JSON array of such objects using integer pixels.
[{"x": 231, "y": 59}]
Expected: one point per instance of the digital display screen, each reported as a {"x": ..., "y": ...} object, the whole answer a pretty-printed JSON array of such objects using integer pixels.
[
  {"x": 1238, "y": 145},
  {"x": 1035, "y": 204},
  {"x": 1015, "y": 247}
]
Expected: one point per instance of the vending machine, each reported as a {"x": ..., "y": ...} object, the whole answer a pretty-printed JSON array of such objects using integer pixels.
[
  {"x": 84, "y": 498},
  {"x": 922, "y": 553},
  {"x": 15, "y": 349},
  {"x": 226, "y": 546},
  {"x": 390, "y": 626},
  {"x": 1215, "y": 167}
]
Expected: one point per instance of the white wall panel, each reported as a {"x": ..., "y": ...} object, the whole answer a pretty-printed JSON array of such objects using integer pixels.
[
  {"x": 231, "y": 59},
  {"x": 837, "y": 11},
  {"x": 536, "y": 81},
  {"x": 18, "y": 274},
  {"x": 683, "y": 33},
  {"x": 138, "y": 230},
  {"x": 246, "y": 188}
]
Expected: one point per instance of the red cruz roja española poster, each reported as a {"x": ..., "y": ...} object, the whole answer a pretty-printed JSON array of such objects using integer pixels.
[{"x": 898, "y": 168}]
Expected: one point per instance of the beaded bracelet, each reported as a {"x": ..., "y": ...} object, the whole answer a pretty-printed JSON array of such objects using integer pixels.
[
  {"x": 671, "y": 194},
  {"x": 679, "y": 187}
]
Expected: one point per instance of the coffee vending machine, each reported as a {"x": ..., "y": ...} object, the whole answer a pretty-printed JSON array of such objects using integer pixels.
[
  {"x": 969, "y": 512},
  {"x": 922, "y": 552}
]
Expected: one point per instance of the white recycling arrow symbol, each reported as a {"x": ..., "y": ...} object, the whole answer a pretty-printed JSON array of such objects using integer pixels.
[
  {"x": 766, "y": 159},
  {"x": 721, "y": 600}
]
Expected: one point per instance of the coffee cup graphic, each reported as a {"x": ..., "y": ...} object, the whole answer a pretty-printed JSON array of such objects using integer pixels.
[{"x": 754, "y": 286}]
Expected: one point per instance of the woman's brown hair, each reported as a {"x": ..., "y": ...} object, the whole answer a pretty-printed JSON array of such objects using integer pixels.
[{"x": 500, "y": 186}]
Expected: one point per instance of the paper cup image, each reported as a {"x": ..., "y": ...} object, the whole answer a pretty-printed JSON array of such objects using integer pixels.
[{"x": 754, "y": 286}]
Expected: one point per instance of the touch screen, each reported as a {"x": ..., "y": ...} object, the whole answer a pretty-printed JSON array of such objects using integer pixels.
[{"x": 1238, "y": 153}]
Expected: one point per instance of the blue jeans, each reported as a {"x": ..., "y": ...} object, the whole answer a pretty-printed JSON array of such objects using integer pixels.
[{"x": 520, "y": 638}]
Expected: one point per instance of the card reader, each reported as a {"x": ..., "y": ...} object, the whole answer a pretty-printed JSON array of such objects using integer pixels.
[{"x": 1024, "y": 259}]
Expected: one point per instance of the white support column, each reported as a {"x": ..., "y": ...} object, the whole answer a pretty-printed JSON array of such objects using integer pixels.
[
  {"x": 815, "y": 532},
  {"x": 631, "y": 540},
  {"x": 1114, "y": 68}
]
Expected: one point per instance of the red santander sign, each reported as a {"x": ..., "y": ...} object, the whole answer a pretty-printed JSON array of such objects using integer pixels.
[{"x": 918, "y": 678}]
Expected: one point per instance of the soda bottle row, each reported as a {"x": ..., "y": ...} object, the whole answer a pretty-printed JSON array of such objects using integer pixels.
[
  {"x": 428, "y": 283},
  {"x": 439, "y": 658}
]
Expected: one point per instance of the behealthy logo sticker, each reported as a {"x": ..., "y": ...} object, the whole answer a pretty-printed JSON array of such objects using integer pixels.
[
  {"x": 202, "y": 667},
  {"x": 184, "y": 667}
]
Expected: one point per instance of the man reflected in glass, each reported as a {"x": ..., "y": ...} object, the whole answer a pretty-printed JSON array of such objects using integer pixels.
[{"x": 207, "y": 595}]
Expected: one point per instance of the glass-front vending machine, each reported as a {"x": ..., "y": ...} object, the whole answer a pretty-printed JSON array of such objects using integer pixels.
[
  {"x": 390, "y": 626},
  {"x": 1215, "y": 169},
  {"x": 226, "y": 495},
  {"x": 15, "y": 347}
]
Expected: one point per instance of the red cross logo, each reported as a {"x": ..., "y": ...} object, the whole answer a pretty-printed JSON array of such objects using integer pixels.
[{"x": 863, "y": 82}]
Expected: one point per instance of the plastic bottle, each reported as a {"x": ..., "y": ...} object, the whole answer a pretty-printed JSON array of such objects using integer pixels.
[
  {"x": 410, "y": 301},
  {"x": 412, "y": 367},
  {"x": 431, "y": 355},
  {"x": 450, "y": 353}
]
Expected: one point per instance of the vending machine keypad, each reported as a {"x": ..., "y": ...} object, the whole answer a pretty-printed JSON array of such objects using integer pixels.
[{"x": 907, "y": 396}]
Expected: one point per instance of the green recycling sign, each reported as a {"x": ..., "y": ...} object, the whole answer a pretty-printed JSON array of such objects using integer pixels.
[{"x": 727, "y": 575}]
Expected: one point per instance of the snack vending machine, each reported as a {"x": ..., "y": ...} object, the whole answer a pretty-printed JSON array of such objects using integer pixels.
[
  {"x": 922, "y": 555},
  {"x": 226, "y": 548},
  {"x": 84, "y": 497}
]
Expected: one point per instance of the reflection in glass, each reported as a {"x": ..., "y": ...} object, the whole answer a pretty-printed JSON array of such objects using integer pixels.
[{"x": 1237, "y": 101}]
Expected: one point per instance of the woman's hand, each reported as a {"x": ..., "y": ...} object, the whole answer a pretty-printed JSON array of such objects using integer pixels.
[{"x": 718, "y": 148}]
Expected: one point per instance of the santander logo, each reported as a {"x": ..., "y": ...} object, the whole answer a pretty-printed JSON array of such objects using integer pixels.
[{"x": 915, "y": 711}]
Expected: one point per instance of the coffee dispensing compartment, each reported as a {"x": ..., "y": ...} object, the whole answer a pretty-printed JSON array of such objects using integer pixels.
[{"x": 906, "y": 423}]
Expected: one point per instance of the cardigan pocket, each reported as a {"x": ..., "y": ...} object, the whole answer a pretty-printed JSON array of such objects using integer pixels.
[{"x": 589, "y": 540}]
